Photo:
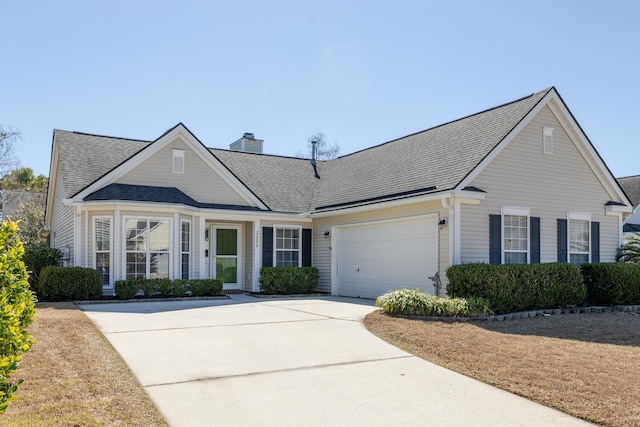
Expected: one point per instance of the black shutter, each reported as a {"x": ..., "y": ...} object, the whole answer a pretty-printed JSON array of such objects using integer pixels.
[
  {"x": 267, "y": 246},
  {"x": 495, "y": 239},
  {"x": 562, "y": 240},
  {"x": 306, "y": 247},
  {"x": 535, "y": 239},
  {"x": 595, "y": 242}
]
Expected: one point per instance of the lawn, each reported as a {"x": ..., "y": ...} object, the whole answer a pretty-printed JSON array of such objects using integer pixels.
[
  {"x": 586, "y": 365},
  {"x": 74, "y": 377}
]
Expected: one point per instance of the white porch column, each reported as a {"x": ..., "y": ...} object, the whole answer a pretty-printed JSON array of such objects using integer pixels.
[
  {"x": 201, "y": 247},
  {"x": 257, "y": 254},
  {"x": 176, "y": 249},
  {"x": 117, "y": 239},
  {"x": 77, "y": 236}
]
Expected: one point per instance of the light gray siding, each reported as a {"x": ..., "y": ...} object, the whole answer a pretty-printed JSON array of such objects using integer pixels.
[
  {"x": 199, "y": 181},
  {"x": 62, "y": 231},
  {"x": 549, "y": 184}
]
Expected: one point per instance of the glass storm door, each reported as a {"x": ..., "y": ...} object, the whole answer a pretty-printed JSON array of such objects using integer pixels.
[{"x": 225, "y": 250}]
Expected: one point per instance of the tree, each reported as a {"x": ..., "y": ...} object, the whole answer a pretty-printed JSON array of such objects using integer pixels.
[
  {"x": 324, "y": 151},
  {"x": 30, "y": 219},
  {"x": 24, "y": 179},
  {"x": 630, "y": 250},
  {"x": 8, "y": 158}
]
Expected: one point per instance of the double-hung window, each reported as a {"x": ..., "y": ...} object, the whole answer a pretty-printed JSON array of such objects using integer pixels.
[
  {"x": 515, "y": 243},
  {"x": 579, "y": 238},
  {"x": 147, "y": 248},
  {"x": 102, "y": 248},
  {"x": 287, "y": 251}
]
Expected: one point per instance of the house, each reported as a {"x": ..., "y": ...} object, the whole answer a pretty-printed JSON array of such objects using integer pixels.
[
  {"x": 518, "y": 183},
  {"x": 631, "y": 186}
]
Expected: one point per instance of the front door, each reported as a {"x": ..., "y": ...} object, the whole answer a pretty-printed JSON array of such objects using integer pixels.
[{"x": 225, "y": 262}]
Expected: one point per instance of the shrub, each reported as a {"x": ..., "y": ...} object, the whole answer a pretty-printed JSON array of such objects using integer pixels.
[
  {"x": 16, "y": 311},
  {"x": 417, "y": 303},
  {"x": 38, "y": 256},
  {"x": 612, "y": 283},
  {"x": 69, "y": 283},
  {"x": 126, "y": 289},
  {"x": 512, "y": 287},
  {"x": 288, "y": 280}
]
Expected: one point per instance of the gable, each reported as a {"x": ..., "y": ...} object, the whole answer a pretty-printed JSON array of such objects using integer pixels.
[
  {"x": 522, "y": 174},
  {"x": 200, "y": 180}
]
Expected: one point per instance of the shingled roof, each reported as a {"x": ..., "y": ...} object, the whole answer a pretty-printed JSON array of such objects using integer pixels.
[
  {"x": 631, "y": 186},
  {"x": 434, "y": 160}
]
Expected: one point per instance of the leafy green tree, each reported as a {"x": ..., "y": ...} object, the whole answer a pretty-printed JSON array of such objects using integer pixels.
[
  {"x": 24, "y": 179},
  {"x": 630, "y": 250},
  {"x": 17, "y": 309}
]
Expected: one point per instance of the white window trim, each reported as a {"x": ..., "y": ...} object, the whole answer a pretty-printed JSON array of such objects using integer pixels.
[
  {"x": 275, "y": 249},
  {"x": 125, "y": 218},
  {"x": 515, "y": 211},
  {"x": 178, "y": 160},
  {"x": 111, "y": 244},
  {"x": 579, "y": 216},
  {"x": 190, "y": 252}
]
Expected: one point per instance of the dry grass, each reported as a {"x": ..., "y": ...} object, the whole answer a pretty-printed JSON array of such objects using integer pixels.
[
  {"x": 586, "y": 365},
  {"x": 74, "y": 377}
]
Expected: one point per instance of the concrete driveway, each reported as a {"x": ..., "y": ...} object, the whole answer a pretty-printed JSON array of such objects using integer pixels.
[{"x": 290, "y": 362}]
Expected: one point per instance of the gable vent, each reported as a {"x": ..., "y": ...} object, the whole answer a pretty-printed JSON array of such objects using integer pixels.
[
  {"x": 178, "y": 161},
  {"x": 547, "y": 140}
]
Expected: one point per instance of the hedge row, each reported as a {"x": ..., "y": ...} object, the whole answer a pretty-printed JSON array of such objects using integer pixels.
[
  {"x": 612, "y": 283},
  {"x": 288, "y": 280},
  {"x": 517, "y": 287},
  {"x": 68, "y": 284},
  {"x": 126, "y": 289}
]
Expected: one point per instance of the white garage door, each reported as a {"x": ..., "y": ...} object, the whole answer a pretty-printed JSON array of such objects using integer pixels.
[{"x": 375, "y": 258}]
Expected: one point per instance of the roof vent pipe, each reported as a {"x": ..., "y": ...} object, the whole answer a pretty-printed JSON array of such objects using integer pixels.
[{"x": 314, "y": 148}]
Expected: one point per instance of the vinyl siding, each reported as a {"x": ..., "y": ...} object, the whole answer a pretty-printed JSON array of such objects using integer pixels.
[
  {"x": 322, "y": 246},
  {"x": 199, "y": 181},
  {"x": 61, "y": 220},
  {"x": 549, "y": 184}
]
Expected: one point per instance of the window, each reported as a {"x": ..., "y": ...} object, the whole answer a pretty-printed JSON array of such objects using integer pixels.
[
  {"x": 147, "y": 248},
  {"x": 185, "y": 248},
  {"x": 287, "y": 247},
  {"x": 178, "y": 161},
  {"x": 515, "y": 235},
  {"x": 579, "y": 240},
  {"x": 102, "y": 248},
  {"x": 516, "y": 239}
]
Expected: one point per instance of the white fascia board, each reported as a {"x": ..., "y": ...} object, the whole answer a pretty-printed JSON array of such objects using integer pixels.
[
  {"x": 467, "y": 195},
  {"x": 51, "y": 187},
  {"x": 618, "y": 209},
  {"x": 182, "y": 133},
  {"x": 189, "y": 210},
  {"x": 507, "y": 139}
]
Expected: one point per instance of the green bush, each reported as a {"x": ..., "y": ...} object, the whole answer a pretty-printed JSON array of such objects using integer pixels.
[
  {"x": 69, "y": 284},
  {"x": 417, "y": 303},
  {"x": 612, "y": 283},
  {"x": 288, "y": 280},
  {"x": 126, "y": 289},
  {"x": 516, "y": 287},
  {"x": 16, "y": 311},
  {"x": 38, "y": 256}
]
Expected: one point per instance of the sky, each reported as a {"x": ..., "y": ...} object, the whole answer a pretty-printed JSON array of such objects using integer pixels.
[{"x": 361, "y": 72}]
